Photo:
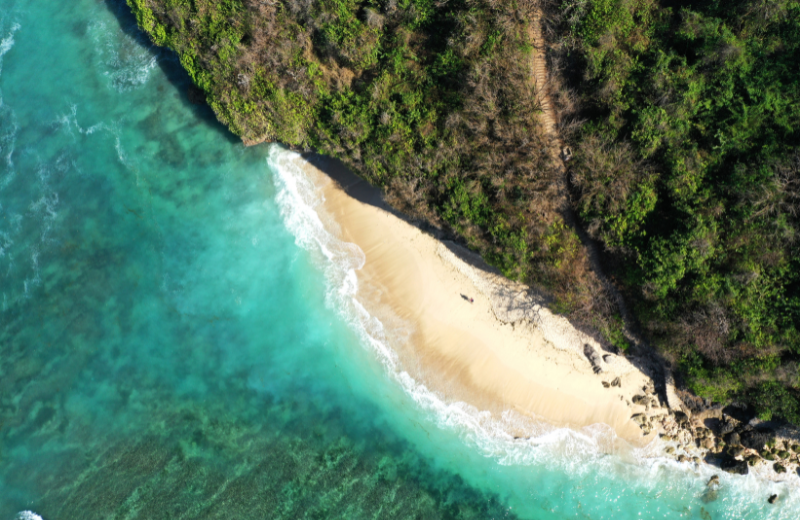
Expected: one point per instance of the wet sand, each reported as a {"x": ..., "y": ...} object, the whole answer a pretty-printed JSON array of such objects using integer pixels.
[{"x": 469, "y": 334}]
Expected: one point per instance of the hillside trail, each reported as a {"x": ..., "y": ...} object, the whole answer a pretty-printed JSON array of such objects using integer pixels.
[{"x": 649, "y": 360}]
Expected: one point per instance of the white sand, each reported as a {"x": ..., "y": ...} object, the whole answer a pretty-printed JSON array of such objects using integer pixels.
[{"x": 501, "y": 352}]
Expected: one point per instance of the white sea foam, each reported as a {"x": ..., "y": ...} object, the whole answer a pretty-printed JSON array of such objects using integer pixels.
[
  {"x": 7, "y": 43},
  {"x": 28, "y": 515},
  {"x": 70, "y": 123},
  {"x": 124, "y": 61},
  {"x": 8, "y": 141},
  {"x": 8, "y": 122},
  {"x": 593, "y": 449},
  {"x": 300, "y": 202}
]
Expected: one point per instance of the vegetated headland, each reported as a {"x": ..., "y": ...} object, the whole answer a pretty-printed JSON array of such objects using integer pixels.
[{"x": 681, "y": 126}]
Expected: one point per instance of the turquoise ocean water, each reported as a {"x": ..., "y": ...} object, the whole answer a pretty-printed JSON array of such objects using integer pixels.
[{"x": 178, "y": 337}]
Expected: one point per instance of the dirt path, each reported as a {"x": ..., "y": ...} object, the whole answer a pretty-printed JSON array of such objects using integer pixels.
[
  {"x": 649, "y": 360},
  {"x": 541, "y": 82}
]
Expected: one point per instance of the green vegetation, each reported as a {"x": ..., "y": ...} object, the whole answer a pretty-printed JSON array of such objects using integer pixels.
[
  {"x": 683, "y": 118},
  {"x": 432, "y": 101},
  {"x": 688, "y": 172}
]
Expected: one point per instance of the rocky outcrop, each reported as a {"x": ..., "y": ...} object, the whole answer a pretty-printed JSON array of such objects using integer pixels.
[
  {"x": 593, "y": 357},
  {"x": 756, "y": 440},
  {"x": 736, "y": 467}
]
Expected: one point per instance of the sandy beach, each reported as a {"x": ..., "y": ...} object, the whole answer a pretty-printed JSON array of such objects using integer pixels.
[{"x": 469, "y": 334}]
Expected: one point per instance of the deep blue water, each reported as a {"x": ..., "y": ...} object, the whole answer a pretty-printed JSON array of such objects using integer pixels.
[{"x": 173, "y": 342}]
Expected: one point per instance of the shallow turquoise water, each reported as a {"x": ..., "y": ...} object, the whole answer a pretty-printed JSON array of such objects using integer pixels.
[{"x": 175, "y": 338}]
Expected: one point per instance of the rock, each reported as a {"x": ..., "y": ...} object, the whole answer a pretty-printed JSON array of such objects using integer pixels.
[
  {"x": 640, "y": 399},
  {"x": 735, "y": 451},
  {"x": 752, "y": 460},
  {"x": 639, "y": 418},
  {"x": 710, "y": 495},
  {"x": 608, "y": 358},
  {"x": 616, "y": 382},
  {"x": 667, "y": 437},
  {"x": 736, "y": 467},
  {"x": 594, "y": 359},
  {"x": 772, "y": 499},
  {"x": 606, "y": 384},
  {"x": 767, "y": 455},
  {"x": 778, "y": 467},
  {"x": 696, "y": 460},
  {"x": 734, "y": 439},
  {"x": 713, "y": 481},
  {"x": 756, "y": 440},
  {"x": 727, "y": 427},
  {"x": 784, "y": 454},
  {"x": 707, "y": 443},
  {"x": 683, "y": 458},
  {"x": 670, "y": 450},
  {"x": 796, "y": 448}
]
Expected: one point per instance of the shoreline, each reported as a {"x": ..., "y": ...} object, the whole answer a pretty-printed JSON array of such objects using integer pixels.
[
  {"x": 504, "y": 352},
  {"x": 500, "y": 352}
]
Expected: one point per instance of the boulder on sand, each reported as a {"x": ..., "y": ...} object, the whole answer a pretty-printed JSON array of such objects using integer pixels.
[
  {"x": 735, "y": 451},
  {"x": 593, "y": 357}
]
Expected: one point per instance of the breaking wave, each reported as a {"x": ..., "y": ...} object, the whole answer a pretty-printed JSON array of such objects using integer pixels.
[
  {"x": 28, "y": 515},
  {"x": 594, "y": 450}
]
